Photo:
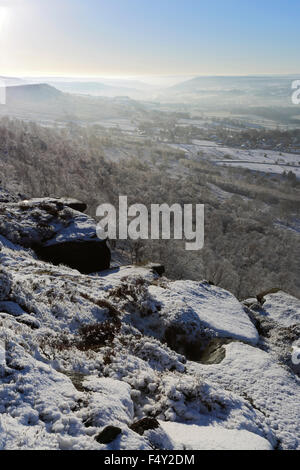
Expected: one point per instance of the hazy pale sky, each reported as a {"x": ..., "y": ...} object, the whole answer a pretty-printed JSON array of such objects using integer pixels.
[{"x": 145, "y": 37}]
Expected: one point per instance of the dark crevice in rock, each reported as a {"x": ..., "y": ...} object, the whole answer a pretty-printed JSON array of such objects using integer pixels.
[
  {"x": 158, "y": 269},
  {"x": 85, "y": 256},
  {"x": 176, "y": 338}
]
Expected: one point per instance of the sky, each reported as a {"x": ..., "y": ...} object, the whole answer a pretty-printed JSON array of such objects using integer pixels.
[{"x": 90, "y": 38}]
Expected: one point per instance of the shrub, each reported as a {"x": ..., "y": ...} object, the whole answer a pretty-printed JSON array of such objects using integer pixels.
[
  {"x": 90, "y": 338},
  {"x": 113, "y": 312},
  {"x": 96, "y": 336}
]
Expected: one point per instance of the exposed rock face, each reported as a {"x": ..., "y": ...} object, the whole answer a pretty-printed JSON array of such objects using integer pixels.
[
  {"x": 144, "y": 424},
  {"x": 215, "y": 352},
  {"x": 108, "y": 435}
]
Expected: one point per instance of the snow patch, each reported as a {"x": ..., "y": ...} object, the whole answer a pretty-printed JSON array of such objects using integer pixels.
[{"x": 192, "y": 437}]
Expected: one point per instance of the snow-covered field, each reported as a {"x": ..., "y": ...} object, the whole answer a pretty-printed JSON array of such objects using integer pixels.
[
  {"x": 265, "y": 161},
  {"x": 125, "y": 125},
  {"x": 84, "y": 359}
]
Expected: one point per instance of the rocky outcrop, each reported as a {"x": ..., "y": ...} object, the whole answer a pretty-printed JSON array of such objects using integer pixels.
[
  {"x": 277, "y": 319},
  {"x": 59, "y": 202},
  {"x": 185, "y": 315},
  {"x": 7, "y": 196},
  {"x": 102, "y": 362},
  {"x": 56, "y": 231}
]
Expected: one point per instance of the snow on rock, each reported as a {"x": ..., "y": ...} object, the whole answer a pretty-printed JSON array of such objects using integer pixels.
[
  {"x": 80, "y": 227},
  {"x": 46, "y": 221},
  {"x": 277, "y": 317},
  {"x": 210, "y": 306},
  {"x": 66, "y": 201},
  {"x": 57, "y": 233},
  {"x": 114, "y": 397},
  {"x": 268, "y": 387},
  {"x": 283, "y": 308},
  {"x": 192, "y": 437}
]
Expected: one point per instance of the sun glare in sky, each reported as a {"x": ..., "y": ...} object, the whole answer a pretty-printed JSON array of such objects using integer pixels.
[
  {"x": 4, "y": 16},
  {"x": 140, "y": 37}
]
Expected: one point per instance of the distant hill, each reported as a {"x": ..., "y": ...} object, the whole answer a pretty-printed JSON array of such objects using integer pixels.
[
  {"x": 231, "y": 82},
  {"x": 44, "y": 102},
  {"x": 32, "y": 94},
  {"x": 96, "y": 89},
  {"x": 228, "y": 91}
]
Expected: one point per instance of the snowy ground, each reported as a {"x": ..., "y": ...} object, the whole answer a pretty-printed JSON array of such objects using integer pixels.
[
  {"x": 125, "y": 125},
  {"x": 79, "y": 353},
  {"x": 192, "y": 437},
  {"x": 268, "y": 387}
]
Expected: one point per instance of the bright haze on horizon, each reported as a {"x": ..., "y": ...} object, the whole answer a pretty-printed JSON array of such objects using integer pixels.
[{"x": 177, "y": 39}]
